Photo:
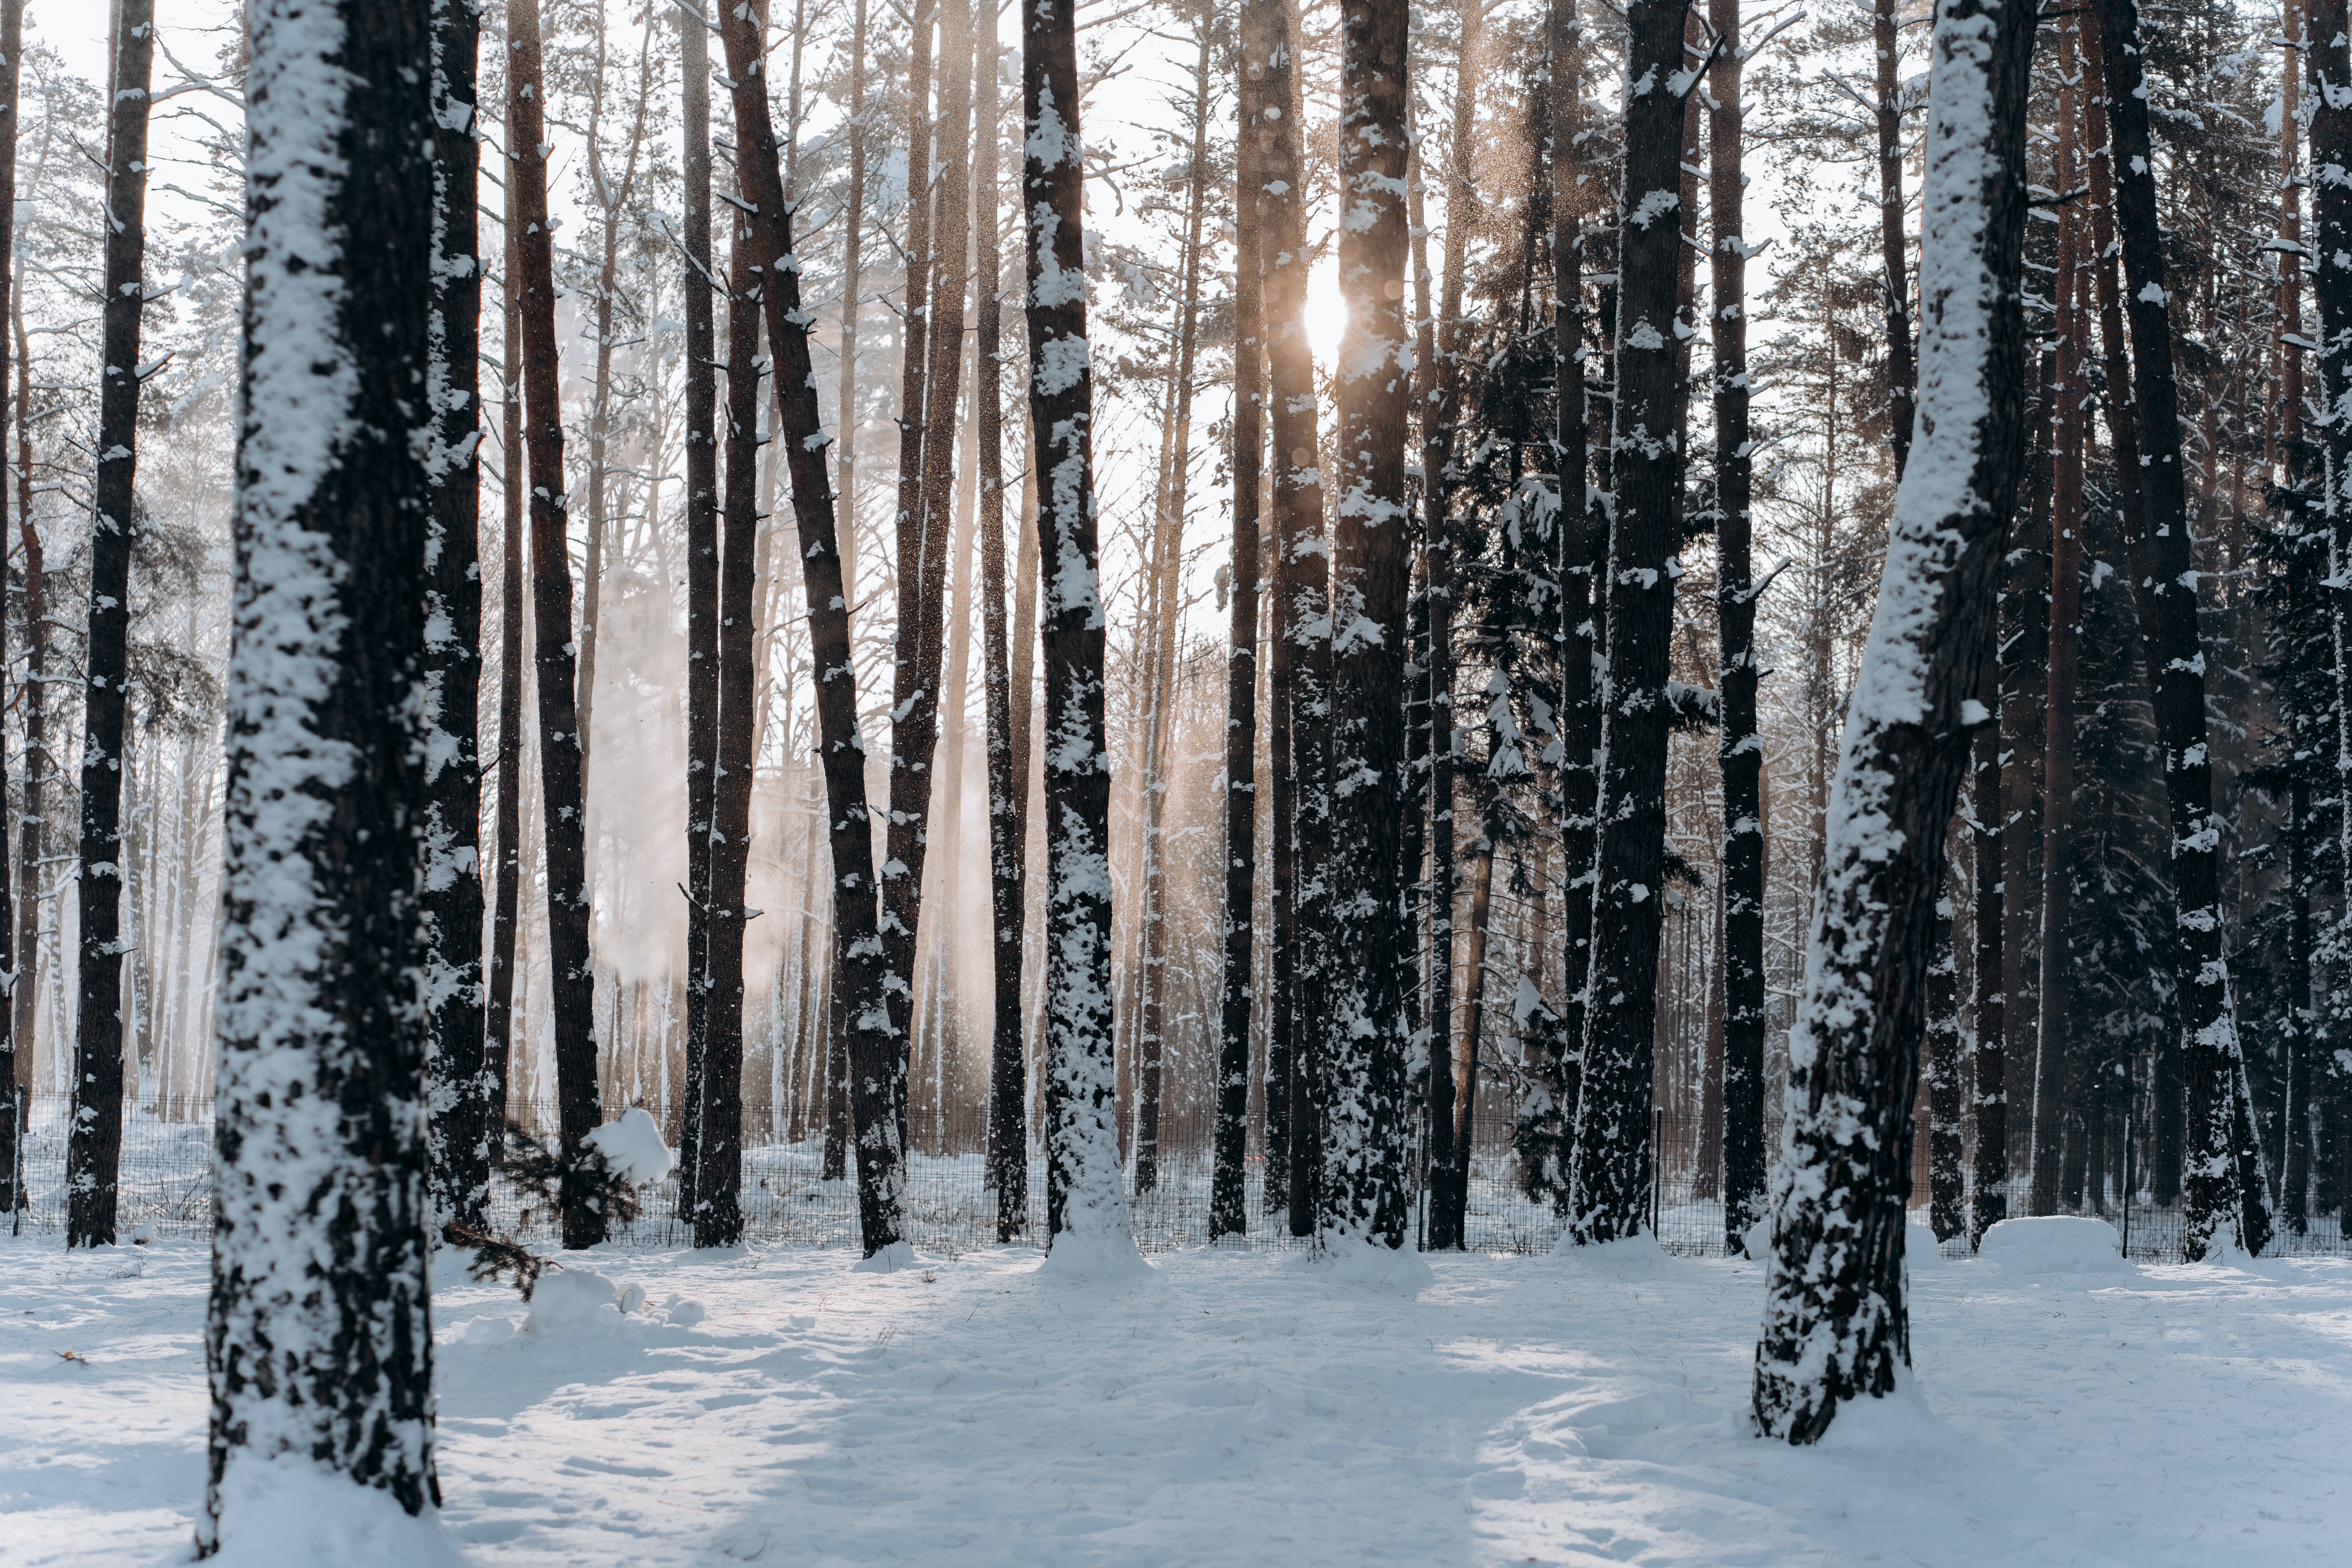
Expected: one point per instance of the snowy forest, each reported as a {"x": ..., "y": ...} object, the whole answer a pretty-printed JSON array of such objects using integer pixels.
[{"x": 1529, "y": 676}]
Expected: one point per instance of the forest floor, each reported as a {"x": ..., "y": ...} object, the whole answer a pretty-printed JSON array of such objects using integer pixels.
[{"x": 1246, "y": 1407}]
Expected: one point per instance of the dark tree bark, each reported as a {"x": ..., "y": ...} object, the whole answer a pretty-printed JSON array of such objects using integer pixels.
[
  {"x": 2330, "y": 61},
  {"x": 719, "y": 1171},
  {"x": 1008, "y": 750},
  {"x": 572, "y": 989},
  {"x": 1228, "y": 1198},
  {"x": 2298, "y": 1124},
  {"x": 15, "y": 1036},
  {"x": 2224, "y": 1179},
  {"x": 505, "y": 910},
  {"x": 1365, "y": 1168},
  {"x": 872, "y": 1050},
  {"x": 94, "y": 1146},
  {"x": 1085, "y": 1199},
  {"x": 1448, "y": 1158},
  {"x": 853, "y": 256},
  {"x": 1740, "y": 749},
  {"x": 318, "y": 1342},
  {"x": 1835, "y": 1324},
  {"x": 32, "y": 829},
  {"x": 1989, "y": 1185},
  {"x": 1945, "y": 1177},
  {"x": 453, "y": 658},
  {"x": 1300, "y": 666},
  {"x": 1901, "y": 371},
  {"x": 701, "y": 576},
  {"x": 923, "y": 556},
  {"x": 1610, "y": 1178}
]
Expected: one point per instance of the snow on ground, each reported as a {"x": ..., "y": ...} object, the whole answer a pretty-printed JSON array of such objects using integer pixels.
[{"x": 1243, "y": 1407}]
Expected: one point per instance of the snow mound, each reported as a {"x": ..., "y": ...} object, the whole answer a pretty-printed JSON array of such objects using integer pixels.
[
  {"x": 287, "y": 1512},
  {"x": 1758, "y": 1238},
  {"x": 896, "y": 1256},
  {"x": 1092, "y": 1257},
  {"x": 1920, "y": 1247},
  {"x": 484, "y": 1330},
  {"x": 576, "y": 1303},
  {"x": 633, "y": 1147},
  {"x": 2054, "y": 1244},
  {"x": 1891, "y": 1426},
  {"x": 1369, "y": 1265},
  {"x": 1637, "y": 1254}
]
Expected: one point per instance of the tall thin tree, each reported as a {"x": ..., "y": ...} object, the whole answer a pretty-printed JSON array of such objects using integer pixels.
[
  {"x": 94, "y": 1145},
  {"x": 881, "y": 1159},
  {"x": 572, "y": 989},
  {"x": 14, "y": 1038},
  {"x": 453, "y": 658},
  {"x": 506, "y": 909},
  {"x": 317, "y": 1341},
  {"x": 1835, "y": 1324},
  {"x": 1085, "y": 1202},
  {"x": 701, "y": 575}
]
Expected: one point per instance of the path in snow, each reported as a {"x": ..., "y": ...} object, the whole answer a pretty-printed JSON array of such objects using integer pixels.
[{"x": 1244, "y": 1408}]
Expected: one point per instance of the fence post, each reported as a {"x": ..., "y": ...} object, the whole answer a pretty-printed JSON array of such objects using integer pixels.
[
  {"x": 1657, "y": 1172},
  {"x": 2127, "y": 1183}
]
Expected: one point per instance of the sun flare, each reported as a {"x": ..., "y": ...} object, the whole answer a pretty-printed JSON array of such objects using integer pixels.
[{"x": 1326, "y": 310}]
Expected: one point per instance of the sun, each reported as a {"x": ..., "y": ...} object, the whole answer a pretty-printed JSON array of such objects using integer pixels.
[{"x": 1326, "y": 310}]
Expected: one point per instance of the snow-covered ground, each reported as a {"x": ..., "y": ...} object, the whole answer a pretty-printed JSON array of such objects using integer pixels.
[{"x": 1240, "y": 1407}]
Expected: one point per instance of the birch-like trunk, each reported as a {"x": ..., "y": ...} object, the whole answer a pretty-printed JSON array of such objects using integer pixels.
[
  {"x": 1085, "y": 1202},
  {"x": 453, "y": 657},
  {"x": 319, "y": 1343},
  {"x": 16, "y": 1034},
  {"x": 94, "y": 1145},
  {"x": 1835, "y": 1324},
  {"x": 872, "y": 1049}
]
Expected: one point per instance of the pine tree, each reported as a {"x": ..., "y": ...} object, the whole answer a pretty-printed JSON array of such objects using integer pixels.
[
  {"x": 1085, "y": 1200},
  {"x": 14, "y": 1040},
  {"x": 319, "y": 1343},
  {"x": 2328, "y": 58},
  {"x": 94, "y": 1147},
  {"x": 506, "y": 909},
  {"x": 453, "y": 667},
  {"x": 1835, "y": 1323},
  {"x": 701, "y": 577}
]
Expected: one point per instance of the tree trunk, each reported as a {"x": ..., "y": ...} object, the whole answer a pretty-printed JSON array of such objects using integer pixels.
[
  {"x": 1085, "y": 1199},
  {"x": 1945, "y": 1177},
  {"x": 1988, "y": 1204},
  {"x": 2225, "y": 1182},
  {"x": 571, "y": 987},
  {"x": 16, "y": 1030},
  {"x": 1740, "y": 749},
  {"x": 507, "y": 911},
  {"x": 319, "y": 1250},
  {"x": 1835, "y": 1324},
  {"x": 94, "y": 1146},
  {"x": 1228, "y": 1198},
  {"x": 1365, "y": 1040},
  {"x": 1610, "y": 1193},
  {"x": 701, "y": 577},
  {"x": 869, "y": 1067},
  {"x": 2330, "y": 64},
  {"x": 452, "y": 659},
  {"x": 2298, "y": 1125},
  {"x": 1901, "y": 373},
  {"x": 718, "y": 1095},
  {"x": 2053, "y": 1037}
]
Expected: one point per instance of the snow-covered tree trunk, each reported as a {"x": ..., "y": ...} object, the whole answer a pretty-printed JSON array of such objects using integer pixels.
[
  {"x": 94, "y": 1145},
  {"x": 881, "y": 1159},
  {"x": 453, "y": 629},
  {"x": 1364, "y": 1036},
  {"x": 1086, "y": 1201},
  {"x": 16, "y": 1040},
  {"x": 2223, "y": 1183},
  {"x": 701, "y": 575},
  {"x": 1902, "y": 372},
  {"x": 1299, "y": 669},
  {"x": 1835, "y": 1324},
  {"x": 2329, "y": 61},
  {"x": 1610, "y": 1159},
  {"x": 319, "y": 1343},
  {"x": 572, "y": 989},
  {"x": 719, "y": 1104},
  {"x": 1228, "y": 1205},
  {"x": 1739, "y": 747}
]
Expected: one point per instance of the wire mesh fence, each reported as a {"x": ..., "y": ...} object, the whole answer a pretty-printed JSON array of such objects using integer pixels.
[{"x": 166, "y": 1189}]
